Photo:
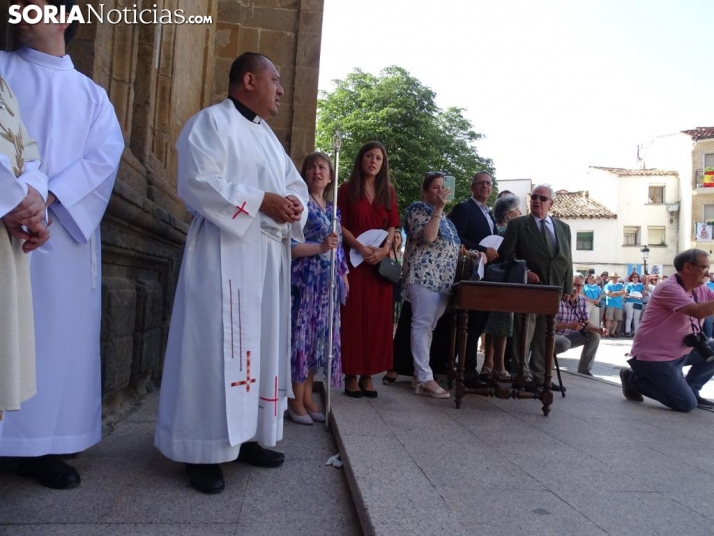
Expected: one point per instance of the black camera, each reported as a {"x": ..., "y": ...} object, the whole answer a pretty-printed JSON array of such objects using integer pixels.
[{"x": 698, "y": 341}]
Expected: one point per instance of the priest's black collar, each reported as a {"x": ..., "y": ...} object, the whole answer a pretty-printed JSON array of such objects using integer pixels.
[{"x": 246, "y": 112}]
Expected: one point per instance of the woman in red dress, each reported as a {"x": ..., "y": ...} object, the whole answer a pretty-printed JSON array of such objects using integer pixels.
[{"x": 367, "y": 201}]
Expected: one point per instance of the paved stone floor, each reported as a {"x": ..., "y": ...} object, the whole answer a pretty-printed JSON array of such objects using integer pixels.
[
  {"x": 598, "y": 465},
  {"x": 129, "y": 488}
]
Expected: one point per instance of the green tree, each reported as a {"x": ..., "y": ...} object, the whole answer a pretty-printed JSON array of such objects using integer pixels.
[{"x": 398, "y": 110}]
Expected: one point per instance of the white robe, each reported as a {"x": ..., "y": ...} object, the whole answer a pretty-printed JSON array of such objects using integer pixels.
[
  {"x": 226, "y": 374},
  {"x": 81, "y": 144}
]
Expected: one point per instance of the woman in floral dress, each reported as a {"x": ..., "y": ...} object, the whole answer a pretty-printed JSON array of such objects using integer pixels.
[{"x": 310, "y": 291}]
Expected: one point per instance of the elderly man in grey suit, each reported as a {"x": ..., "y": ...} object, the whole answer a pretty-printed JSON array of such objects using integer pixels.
[{"x": 544, "y": 243}]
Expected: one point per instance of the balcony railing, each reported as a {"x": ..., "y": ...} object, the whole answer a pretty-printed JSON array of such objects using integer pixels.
[{"x": 698, "y": 181}]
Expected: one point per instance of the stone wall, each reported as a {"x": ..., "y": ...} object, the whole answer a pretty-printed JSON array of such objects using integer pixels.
[{"x": 157, "y": 77}]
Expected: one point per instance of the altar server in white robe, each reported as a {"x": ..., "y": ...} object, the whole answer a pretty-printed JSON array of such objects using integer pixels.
[
  {"x": 23, "y": 227},
  {"x": 227, "y": 368},
  {"x": 81, "y": 144}
]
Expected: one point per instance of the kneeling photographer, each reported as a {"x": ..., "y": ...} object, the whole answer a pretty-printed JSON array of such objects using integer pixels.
[
  {"x": 670, "y": 337},
  {"x": 574, "y": 329}
]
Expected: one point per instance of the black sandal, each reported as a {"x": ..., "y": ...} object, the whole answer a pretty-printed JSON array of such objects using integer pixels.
[
  {"x": 353, "y": 394},
  {"x": 389, "y": 380},
  {"x": 365, "y": 392}
]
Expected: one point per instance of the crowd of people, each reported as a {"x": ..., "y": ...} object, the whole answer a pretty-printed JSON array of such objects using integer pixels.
[{"x": 278, "y": 264}]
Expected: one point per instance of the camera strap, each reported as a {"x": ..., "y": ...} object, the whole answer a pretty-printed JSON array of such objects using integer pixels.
[{"x": 696, "y": 328}]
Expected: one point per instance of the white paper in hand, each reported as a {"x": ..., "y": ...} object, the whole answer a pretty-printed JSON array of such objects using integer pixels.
[
  {"x": 481, "y": 264},
  {"x": 491, "y": 241},
  {"x": 372, "y": 238}
]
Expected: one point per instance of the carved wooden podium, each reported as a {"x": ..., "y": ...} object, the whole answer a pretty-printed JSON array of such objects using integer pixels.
[{"x": 503, "y": 297}]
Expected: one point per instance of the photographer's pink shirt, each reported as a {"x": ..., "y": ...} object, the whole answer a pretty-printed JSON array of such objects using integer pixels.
[{"x": 662, "y": 330}]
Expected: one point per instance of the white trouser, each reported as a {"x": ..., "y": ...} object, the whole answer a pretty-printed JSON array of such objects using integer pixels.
[
  {"x": 632, "y": 316},
  {"x": 595, "y": 313},
  {"x": 427, "y": 308}
]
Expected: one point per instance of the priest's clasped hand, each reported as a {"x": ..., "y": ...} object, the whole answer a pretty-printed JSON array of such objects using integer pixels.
[
  {"x": 281, "y": 209},
  {"x": 27, "y": 221}
]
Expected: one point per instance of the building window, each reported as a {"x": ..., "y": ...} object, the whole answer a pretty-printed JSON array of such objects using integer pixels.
[
  {"x": 656, "y": 236},
  {"x": 656, "y": 195},
  {"x": 708, "y": 214},
  {"x": 584, "y": 241},
  {"x": 709, "y": 160},
  {"x": 632, "y": 236}
]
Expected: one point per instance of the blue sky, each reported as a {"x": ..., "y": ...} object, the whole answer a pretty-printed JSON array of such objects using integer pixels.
[{"x": 554, "y": 85}]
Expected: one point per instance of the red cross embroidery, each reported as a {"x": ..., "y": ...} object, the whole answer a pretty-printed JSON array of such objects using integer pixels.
[
  {"x": 273, "y": 400},
  {"x": 240, "y": 324},
  {"x": 248, "y": 380},
  {"x": 230, "y": 291},
  {"x": 240, "y": 209}
]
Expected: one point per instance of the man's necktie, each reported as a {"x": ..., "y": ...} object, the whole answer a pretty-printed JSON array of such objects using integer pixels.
[{"x": 545, "y": 233}]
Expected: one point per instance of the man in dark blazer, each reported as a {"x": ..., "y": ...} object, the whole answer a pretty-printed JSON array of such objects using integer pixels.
[
  {"x": 544, "y": 243},
  {"x": 474, "y": 222},
  {"x": 473, "y": 219}
]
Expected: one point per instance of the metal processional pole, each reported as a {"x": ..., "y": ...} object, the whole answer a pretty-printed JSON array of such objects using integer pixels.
[{"x": 336, "y": 143}]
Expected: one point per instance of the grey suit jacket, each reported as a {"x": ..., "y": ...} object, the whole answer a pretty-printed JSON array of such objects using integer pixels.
[{"x": 524, "y": 241}]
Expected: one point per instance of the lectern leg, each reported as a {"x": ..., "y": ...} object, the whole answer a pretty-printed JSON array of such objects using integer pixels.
[
  {"x": 463, "y": 320},
  {"x": 451, "y": 371},
  {"x": 549, "y": 349}
]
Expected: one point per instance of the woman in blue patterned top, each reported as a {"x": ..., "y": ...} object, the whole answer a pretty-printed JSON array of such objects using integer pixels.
[{"x": 429, "y": 267}]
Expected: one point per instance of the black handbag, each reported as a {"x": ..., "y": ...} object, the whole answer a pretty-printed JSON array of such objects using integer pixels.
[
  {"x": 390, "y": 270},
  {"x": 513, "y": 271}
]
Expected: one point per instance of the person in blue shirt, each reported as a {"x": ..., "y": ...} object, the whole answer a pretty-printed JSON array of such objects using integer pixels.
[
  {"x": 634, "y": 300},
  {"x": 614, "y": 291},
  {"x": 595, "y": 298}
]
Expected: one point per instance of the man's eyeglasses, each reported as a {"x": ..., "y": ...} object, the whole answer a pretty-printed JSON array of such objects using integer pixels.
[
  {"x": 705, "y": 268},
  {"x": 479, "y": 183},
  {"x": 575, "y": 285},
  {"x": 542, "y": 198}
]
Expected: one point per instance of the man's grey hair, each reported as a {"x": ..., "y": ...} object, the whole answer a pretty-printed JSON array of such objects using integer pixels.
[
  {"x": 551, "y": 193},
  {"x": 578, "y": 276},
  {"x": 690, "y": 256}
]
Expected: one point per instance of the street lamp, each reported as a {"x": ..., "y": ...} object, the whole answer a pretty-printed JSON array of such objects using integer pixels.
[{"x": 645, "y": 253}]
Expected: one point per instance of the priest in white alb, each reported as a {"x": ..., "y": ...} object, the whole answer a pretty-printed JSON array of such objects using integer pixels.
[
  {"x": 23, "y": 228},
  {"x": 226, "y": 374},
  {"x": 80, "y": 143}
]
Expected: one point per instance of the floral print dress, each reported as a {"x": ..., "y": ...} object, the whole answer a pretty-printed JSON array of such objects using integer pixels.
[{"x": 310, "y": 285}]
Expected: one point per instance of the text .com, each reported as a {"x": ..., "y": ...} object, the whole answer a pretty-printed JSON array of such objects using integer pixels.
[{"x": 33, "y": 14}]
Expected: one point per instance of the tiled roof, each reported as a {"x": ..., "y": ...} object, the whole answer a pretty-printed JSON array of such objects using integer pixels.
[
  {"x": 570, "y": 205},
  {"x": 700, "y": 133},
  {"x": 637, "y": 172}
]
